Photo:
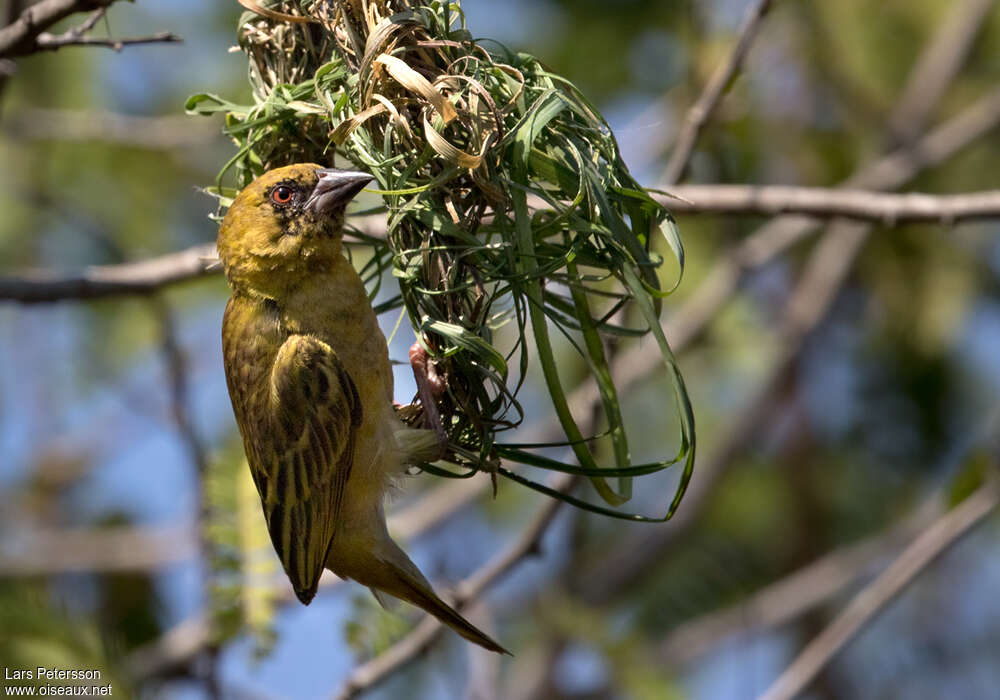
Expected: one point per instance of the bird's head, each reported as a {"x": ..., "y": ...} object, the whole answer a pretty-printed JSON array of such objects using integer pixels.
[{"x": 286, "y": 224}]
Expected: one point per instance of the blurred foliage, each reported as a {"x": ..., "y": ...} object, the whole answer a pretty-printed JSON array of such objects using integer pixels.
[
  {"x": 371, "y": 629},
  {"x": 38, "y": 633},
  {"x": 244, "y": 568}
]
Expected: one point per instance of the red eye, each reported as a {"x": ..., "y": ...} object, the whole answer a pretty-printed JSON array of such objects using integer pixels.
[{"x": 282, "y": 194}]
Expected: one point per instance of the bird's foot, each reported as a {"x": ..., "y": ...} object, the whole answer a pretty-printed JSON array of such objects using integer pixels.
[{"x": 430, "y": 387}]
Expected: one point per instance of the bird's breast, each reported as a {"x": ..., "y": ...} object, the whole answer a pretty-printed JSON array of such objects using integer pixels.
[{"x": 335, "y": 308}]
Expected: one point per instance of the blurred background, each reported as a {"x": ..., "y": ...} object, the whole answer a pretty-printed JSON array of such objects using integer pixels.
[{"x": 844, "y": 378}]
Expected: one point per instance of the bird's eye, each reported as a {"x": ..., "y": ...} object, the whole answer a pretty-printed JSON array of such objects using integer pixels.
[{"x": 281, "y": 194}]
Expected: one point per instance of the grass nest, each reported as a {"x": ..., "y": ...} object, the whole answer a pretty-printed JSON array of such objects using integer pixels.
[{"x": 507, "y": 202}]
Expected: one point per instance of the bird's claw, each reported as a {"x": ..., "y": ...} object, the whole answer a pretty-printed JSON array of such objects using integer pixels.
[{"x": 430, "y": 386}]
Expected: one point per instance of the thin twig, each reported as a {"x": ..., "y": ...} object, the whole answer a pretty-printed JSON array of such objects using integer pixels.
[
  {"x": 171, "y": 651},
  {"x": 27, "y": 35},
  {"x": 54, "y": 42},
  {"x": 19, "y": 37},
  {"x": 368, "y": 675},
  {"x": 864, "y": 607},
  {"x": 699, "y": 114},
  {"x": 77, "y": 36},
  {"x": 12, "y": 10},
  {"x": 876, "y": 207}
]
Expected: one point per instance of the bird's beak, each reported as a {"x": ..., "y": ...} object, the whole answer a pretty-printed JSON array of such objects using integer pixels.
[{"x": 335, "y": 189}]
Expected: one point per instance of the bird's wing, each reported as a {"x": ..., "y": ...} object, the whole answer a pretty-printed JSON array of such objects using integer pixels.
[{"x": 316, "y": 412}]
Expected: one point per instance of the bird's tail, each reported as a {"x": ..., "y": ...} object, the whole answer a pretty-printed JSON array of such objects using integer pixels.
[{"x": 399, "y": 577}]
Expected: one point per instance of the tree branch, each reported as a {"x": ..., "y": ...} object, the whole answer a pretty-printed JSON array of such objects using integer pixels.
[
  {"x": 876, "y": 207},
  {"x": 19, "y": 37},
  {"x": 100, "y": 281},
  {"x": 135, "y": 278},
  {"x": 865, "y": 606},
  {"x": 26, "y": 35},
  {"x": 54, "y": 42}
]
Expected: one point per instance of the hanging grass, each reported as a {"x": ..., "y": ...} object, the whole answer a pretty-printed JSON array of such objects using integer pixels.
[{"x": 506, "y": 199}]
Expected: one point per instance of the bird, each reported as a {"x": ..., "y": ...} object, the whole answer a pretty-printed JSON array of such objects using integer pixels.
[{"x": 309, "y": 376}]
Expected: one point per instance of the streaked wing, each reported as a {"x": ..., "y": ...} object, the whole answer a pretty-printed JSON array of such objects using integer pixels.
[{"x": 315, "y": 414}]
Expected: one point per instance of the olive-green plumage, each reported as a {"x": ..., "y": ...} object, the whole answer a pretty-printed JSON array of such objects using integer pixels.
[{"x": 309, "y": 377}]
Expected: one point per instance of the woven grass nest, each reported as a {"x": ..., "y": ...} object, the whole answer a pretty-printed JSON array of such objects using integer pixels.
[{"x": 507, "y": 202}]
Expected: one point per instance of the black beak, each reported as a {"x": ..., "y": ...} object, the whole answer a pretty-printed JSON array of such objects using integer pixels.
[{"x": 335, "y": 189}]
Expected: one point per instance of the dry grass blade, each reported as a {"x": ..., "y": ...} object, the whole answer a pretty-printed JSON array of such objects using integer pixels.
[
  {"x": 413, "y": 81},
  {"x": 271, "y": 14}
]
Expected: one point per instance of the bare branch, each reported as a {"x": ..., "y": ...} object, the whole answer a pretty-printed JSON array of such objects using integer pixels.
[
  {"x": 135, "y": 278},
  {"x": 54, "y": 42},
  {"x": 764, "y": 200},
  {"x": 77, "y": 36},
  {"x": 865, "y": 606},
  {"x": 27, "y": 35},
  {"x": 368, "y": 675},
  {"x": 100, "y": 281},
  {"x": 701, "y": 111},
  {"x": 18, "y": 38},
  {"x": 877, "y": 207}
]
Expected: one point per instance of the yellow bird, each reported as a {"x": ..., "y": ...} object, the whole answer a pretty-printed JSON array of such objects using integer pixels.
[{"x": 311, "y": 385}]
